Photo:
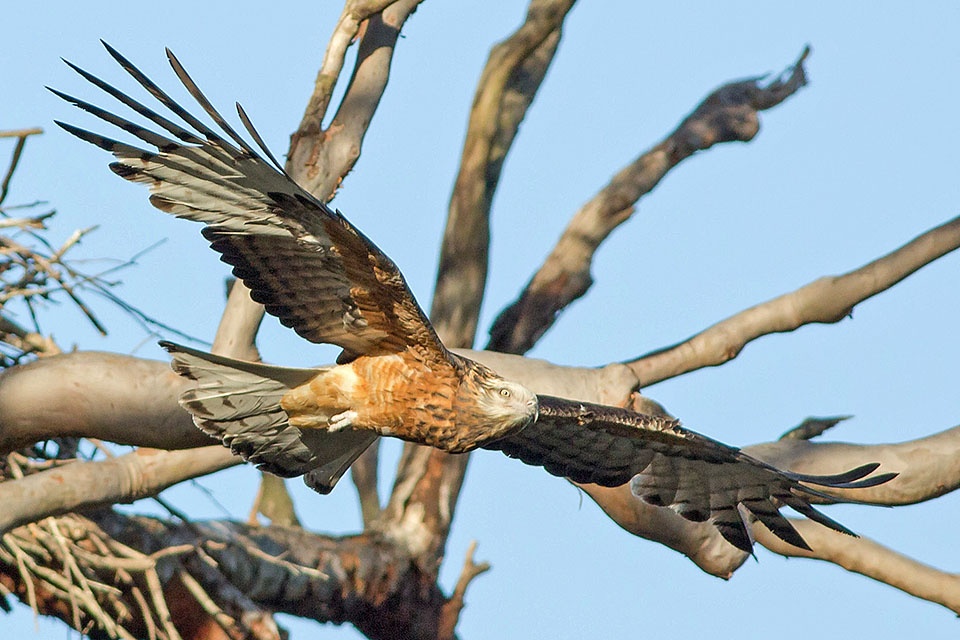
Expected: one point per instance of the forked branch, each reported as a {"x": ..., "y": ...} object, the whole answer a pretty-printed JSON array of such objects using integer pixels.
[{"x": 729, "y": 114}]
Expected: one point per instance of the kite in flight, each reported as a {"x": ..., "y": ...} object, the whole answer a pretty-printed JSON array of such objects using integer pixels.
[{"x": 328, "y": 282}]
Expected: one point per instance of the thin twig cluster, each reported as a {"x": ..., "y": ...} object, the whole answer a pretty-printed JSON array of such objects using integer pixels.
[
  {"x": 34, "y": 272},
  {"x": 102, "y": 585}
]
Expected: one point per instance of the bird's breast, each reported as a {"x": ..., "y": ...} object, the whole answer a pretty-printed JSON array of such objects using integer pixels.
[{"x": 394, "y": 395}]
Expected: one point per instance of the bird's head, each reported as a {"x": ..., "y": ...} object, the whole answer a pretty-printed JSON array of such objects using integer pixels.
[{"x": 501, "y": 406}]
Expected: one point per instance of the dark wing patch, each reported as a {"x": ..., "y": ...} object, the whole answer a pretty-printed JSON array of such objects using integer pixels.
[
  {"x": 670, "y": 466},
  {"x": 305, "y": 262}
]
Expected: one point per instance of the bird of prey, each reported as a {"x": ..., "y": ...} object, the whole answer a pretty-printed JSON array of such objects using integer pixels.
[{"x": 323, "y": 278}]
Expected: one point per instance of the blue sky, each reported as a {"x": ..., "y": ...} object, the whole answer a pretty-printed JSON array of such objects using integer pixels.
[{"x": 857, "y": 163}]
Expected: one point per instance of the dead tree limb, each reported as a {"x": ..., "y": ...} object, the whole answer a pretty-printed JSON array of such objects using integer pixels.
[
  {"x": 870, "y": 559},
  {"x": 826, "y": 300},
  {"x": 729, "y": 114}
]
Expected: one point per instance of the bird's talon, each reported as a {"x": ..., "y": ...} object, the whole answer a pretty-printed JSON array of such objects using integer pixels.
[{"x": 341, "y": 420}]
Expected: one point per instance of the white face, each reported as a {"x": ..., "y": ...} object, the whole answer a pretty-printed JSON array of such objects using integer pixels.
[{"x": 510, "y": 403}]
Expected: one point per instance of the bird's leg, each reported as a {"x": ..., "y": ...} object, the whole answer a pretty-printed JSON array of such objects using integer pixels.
[{"x": 341, "y": 420}]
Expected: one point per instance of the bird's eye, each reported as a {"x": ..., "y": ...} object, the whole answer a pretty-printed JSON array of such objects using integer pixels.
[{"x": 505, "y": 393}]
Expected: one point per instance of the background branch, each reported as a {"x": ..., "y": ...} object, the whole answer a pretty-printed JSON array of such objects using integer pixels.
[
  {"x": 513, "y": 74},
  {"x": 873, "y": 560},
  {"x": 826, "y": 300},
  {"x": 319, "y": 159},
  {"x": 82, "y": 485},
  {"x": 21, "y": 135},
  {"x": 729, "y": 114}
]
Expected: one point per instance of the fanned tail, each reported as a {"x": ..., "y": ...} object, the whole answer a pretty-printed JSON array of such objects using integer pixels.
[{"x": 238, "y": 403}]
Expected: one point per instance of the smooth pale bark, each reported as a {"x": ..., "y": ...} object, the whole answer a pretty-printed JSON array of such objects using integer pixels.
[
  {"x": 826, "y": 300},
  {"x": 83, "y": 485},
  {"x": 90, "y": 394}
]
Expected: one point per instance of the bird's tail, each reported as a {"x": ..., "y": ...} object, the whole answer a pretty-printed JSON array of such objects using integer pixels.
[{"x": 238, "y": 403}]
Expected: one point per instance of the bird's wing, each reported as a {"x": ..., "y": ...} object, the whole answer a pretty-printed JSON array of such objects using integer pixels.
[
  {"x": 667, "y": 465},
  {"x": 305, "y": 262}
]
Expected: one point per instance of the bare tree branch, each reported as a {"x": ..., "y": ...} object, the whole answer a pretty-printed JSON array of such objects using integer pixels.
[
  {"x": 237, "y": 332},
  {"x": 20, "y": 133},
  {"x": 102, "y": 395},
  {"x": 729, "y": 114},
  {"x": 320, "y": 159},
  {"x": 812, "y": 427},
  {"x": 83, "y": 485},
  {"x": 364, "y": 475},
  {"x": 827, "y": 300},
  {"x": 450, "y": 612},
  {"x": 344, "y": 34},
  {"x": 26, "y": 341},
  {"x": 871, "y": 559},
  {"x": 510, "y": 79}
]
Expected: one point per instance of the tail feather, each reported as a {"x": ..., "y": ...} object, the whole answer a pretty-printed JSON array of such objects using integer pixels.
[{"x": 238, "y": 403}]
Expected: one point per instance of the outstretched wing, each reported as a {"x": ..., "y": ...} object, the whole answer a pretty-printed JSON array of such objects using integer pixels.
[
  {"x": 306, "y": 263},
  {"x": 667, "y": 465}
]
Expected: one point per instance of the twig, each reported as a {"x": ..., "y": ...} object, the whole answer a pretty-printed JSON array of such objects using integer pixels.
[
  {"x": 33, "y": 222},
  {"x": 155, "y": 590},
  {"x": 145, "y": 612},
  {"x": 450, "y": 613},
  {"x": 230, "y": 626},
  {"x": 813, "y": 427},
  {"x": 21, "y": 135}
]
